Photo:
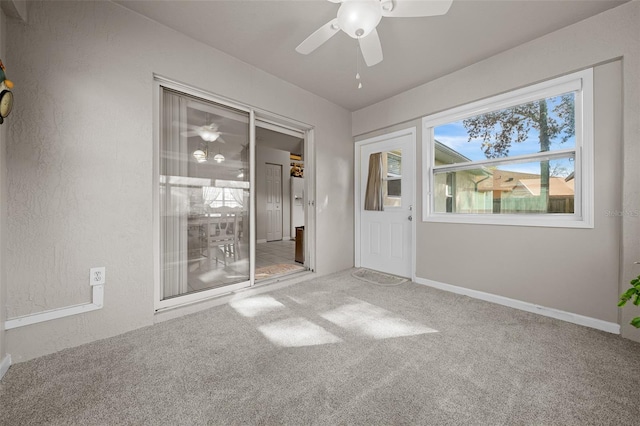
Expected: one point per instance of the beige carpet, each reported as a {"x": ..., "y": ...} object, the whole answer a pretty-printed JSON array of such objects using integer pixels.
[
  {"x": 279, "y": 269},
  {"x": 335, "y": 350}
]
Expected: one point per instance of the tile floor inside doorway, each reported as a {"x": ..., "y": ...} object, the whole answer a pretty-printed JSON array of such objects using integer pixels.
[
  {"x": 275, "y": 252},
  {"x": 276, "y": 258}
]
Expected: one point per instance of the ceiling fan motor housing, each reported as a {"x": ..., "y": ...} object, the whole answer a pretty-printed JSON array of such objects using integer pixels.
[{"x": 358, "y": 18}]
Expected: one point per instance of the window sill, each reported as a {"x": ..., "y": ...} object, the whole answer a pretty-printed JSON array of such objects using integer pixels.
[{"x": 557, "y": 221}]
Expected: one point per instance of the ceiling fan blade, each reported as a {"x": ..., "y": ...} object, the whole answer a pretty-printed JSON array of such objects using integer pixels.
[
  {"x": 335, "y": 1},
  {"x": 220, "y": 140},
  {"x": 316, "y": 39},
  {"x": 413, "y": 8},
  {"x": 371, "y": 48}
]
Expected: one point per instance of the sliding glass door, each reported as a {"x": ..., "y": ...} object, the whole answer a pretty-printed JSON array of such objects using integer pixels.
[{"x": 203, "y": 197}]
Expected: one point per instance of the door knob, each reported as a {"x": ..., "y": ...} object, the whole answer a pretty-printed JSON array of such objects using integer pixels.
[{"x": 410, "y": 218}]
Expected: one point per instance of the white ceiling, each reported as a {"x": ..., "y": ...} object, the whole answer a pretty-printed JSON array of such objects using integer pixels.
[
  {"x": 416, "y": 50},
  {"x": 275, "y": 140}
]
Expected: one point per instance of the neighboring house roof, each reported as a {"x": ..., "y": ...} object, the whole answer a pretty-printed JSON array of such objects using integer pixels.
[
  {"x": 446, "y": 155},
  {"x": 504, "y": 180},
  {"x": 558, "y": 187}
]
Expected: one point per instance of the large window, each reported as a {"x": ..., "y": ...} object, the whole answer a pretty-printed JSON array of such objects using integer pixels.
[{"x": 520, "y": 158}]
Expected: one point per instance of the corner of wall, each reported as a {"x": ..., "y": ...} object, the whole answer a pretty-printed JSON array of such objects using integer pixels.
[
  {"x": 5, "y": 360},
  {"x": 16, "y": 9}
]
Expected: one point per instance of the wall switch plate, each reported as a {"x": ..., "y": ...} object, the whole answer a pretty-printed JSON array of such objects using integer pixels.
[{"x": 97, "y": 276}]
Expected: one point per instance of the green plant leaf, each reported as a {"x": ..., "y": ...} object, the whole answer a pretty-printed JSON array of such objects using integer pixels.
[
  {"x": 632, "y": 293},
  {"x": 635, "y": 322},
  {"x": 624, "y": 297}
]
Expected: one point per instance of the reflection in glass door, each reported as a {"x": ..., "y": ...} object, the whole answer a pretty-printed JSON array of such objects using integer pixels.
[{"x": 204, "y": 195}]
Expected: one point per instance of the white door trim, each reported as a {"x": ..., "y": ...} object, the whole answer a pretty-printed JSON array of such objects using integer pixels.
[
  {"x": 274, "y": 227},
  {"x": 310, "y": 201},
  {"x": 410, "y": 131}
]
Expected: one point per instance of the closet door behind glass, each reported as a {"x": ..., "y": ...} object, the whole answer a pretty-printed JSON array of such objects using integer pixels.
[{"x": 204, "y": 195}]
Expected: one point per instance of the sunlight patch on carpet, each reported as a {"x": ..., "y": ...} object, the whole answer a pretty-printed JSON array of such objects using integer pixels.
[
  {"x": 297, "y": 332},
  {"x": 378, "y": 278},
  {"x": 309, "y": 299},
  {"x": 254, "y": 306},
  {"x": 364, "y": 318}
]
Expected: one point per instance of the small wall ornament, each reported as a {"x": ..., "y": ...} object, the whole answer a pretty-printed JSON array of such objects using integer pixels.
[
  {"x": 297, "y": 169},
  {"x": 6, "y": 95}
]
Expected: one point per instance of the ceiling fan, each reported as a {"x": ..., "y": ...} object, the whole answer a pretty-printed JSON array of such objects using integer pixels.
[
  {"x": 359, "y": 19},
  {"x": 208, "y": 132}
]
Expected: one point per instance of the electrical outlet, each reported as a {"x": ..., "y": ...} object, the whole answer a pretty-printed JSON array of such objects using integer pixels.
[{"x": 97, "y": 276}]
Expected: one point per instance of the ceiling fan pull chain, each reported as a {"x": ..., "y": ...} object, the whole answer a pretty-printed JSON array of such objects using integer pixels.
[{"x": 358, "y": 64}]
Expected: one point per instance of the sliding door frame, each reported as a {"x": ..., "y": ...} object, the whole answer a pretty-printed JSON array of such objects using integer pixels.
[
  {"x": 294, "y": 128},
  {"x": 188, "y": 298},
  {"x": 254, "y": 114}
]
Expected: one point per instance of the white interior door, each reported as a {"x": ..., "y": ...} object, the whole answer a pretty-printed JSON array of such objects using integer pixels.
[
  {"x": 273, "y": 179},
  {"x": 386, "y": 235}
]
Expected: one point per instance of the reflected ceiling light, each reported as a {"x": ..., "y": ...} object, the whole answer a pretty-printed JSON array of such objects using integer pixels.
[
  {"x": 218, "y": 158},
  {"x": 200, "y": 155},
  {"x": 241, "y": 174},
  {"x": 208, "y": 133}
]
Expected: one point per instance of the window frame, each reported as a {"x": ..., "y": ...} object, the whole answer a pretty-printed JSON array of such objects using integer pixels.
[{"x": 582, "y": 83}]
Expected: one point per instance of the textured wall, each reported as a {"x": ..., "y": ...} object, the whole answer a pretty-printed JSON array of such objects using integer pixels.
[
  {"x": 573, "y": 270},
  {"x": 80, "y": 162}
]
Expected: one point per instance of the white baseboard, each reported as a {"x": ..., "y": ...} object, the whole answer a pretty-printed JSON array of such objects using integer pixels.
[
  {"x": 97, "y": 302},
  {"x": 609, "y": 327},
  {"x": 261, "y": 241},
  {"x": 4, "y": 365}
]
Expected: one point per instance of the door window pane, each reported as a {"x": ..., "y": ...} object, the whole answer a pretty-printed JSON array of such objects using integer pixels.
[
  {"x": 392, "y": 171},
  {"x": 204, "y": 195}
]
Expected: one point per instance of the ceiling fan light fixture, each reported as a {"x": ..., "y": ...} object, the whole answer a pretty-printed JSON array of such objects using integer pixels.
[
  {"x": 208, "y": 133},
  {"x": 358, "y": 18},
  {"x": 218, "y": 158}
]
